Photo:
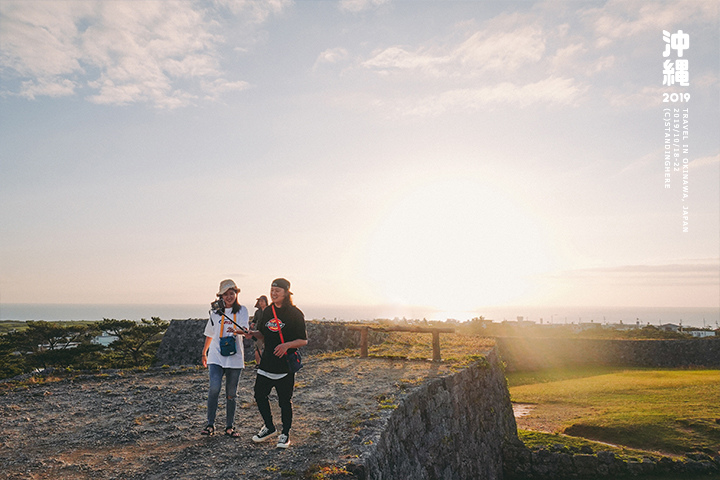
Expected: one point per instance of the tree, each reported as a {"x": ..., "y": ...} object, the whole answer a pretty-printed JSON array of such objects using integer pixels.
[
  {"x": 12, "y": 362},
  {"x": 62, "y": 344},
  {"x": 137, "y": 342},
  {"x": 50, "y": 344}
]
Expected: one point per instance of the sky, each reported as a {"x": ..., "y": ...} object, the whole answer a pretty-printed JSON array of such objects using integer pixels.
[{"x": 449, "y": 155}]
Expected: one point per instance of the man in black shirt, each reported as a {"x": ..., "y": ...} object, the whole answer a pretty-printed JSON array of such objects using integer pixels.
[{"x": 260, "y": 304}]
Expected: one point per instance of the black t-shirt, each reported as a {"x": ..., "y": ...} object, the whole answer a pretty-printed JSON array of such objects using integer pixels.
[
  {"x": 257, "y": 317},
  {"x": 292, "y": 323}
]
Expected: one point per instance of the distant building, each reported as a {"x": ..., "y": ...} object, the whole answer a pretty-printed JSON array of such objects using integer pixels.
[
  {"x": 521, "y": 321},
  {"x": 700, "y": 333},
  {"x": 624, "y": 326},
  {"x": 104, "y": 339},
  {"x": 43, "y": 347},
  {"x": 670, "y": 327},
  {"x": 588, "y": 326}
]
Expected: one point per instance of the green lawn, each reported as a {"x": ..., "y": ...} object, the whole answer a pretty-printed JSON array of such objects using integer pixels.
[
  {"x": 672, "y": 411},
  {"x": 537, "y": 439}
]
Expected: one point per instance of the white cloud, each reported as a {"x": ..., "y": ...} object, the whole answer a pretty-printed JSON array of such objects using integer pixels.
[
  {"x": 601, "y": 64},
  {"x": 192, "y": 65},
  {"x": 501, "y": 47},
  {"x": 646, "y": 97},
  {"x": 506, "y": 55},
  {"x": 332, "y": 55},
  {"x": 40, "y": 39},
  {"x": 680, "y": 283},
  {"x": 705, "y": 161},
  {"x": 122, "y": 51},
  {"x": 254, "y": 11},
  {"x": 360, "y": 5},
  {"x": 708, "y": 81},
  {"x": 568, "y": 54},
  {"x": 400, "y": 59},
  {"x": 640, "y": 165},
  {"x": 550, "y": 91},
  {"x": 47, "y": 87},
  {"x": 690, "y": 272},
  {"x": 620, "y": 19},
  {"x": 219, "y": 87},
  {"x": 574, "y": 58},
  {"x": 502, "y": 50},
  {"x": 557, "y": 91}
]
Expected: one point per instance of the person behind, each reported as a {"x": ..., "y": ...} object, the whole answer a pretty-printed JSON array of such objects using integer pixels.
[
  {"x": 260, "y": 305},
  {"x": 218, "y": 365},
  {"x": 282, "y": 317}
]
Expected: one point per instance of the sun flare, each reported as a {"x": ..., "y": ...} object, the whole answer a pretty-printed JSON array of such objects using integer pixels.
[{"x": 455, "y": 245}]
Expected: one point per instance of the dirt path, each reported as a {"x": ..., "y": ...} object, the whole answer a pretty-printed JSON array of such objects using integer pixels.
[{"x": 146, "y": 425}]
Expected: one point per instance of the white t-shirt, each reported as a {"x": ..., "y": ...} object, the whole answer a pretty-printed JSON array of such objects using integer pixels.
[{"x": 212, "y": 330}]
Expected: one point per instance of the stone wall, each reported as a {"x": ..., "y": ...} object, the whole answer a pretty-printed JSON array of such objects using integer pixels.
[
  {"x": 184, "y": 339},
  {"x": 558, "y": 462},
  {"x": 333, "y": 336},
  {"x": 451, "y": 428},
  {"x": 182, "y": 343},
  {"x": 522, "y": 353}
]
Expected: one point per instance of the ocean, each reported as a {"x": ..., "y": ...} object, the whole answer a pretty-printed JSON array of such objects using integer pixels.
[{"x": 689, "y": 317}]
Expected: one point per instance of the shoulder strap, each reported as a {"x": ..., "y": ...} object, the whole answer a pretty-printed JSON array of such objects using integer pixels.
[{"x": 222, "y": 324}]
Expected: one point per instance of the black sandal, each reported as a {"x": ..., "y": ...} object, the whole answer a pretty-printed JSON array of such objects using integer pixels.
[
  {"x": 230, "y": 432},
  {"x": 208, "y": 430}
]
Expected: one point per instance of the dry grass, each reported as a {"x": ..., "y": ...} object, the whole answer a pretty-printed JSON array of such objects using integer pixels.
[{"x": 454, "y": 347}]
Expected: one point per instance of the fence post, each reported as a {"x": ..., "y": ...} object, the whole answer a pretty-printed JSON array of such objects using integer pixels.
[
  {"x": 436, "y": 346},
  {"x": 364, "y": 342}
]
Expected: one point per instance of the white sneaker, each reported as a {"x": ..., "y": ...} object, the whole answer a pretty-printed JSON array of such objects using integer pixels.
[
  {"x": 264, "y": 434},
  {"x": 283, "y": 441}
]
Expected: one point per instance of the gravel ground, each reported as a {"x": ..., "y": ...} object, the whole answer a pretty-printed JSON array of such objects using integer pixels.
[{"x": 147, "y": 425}]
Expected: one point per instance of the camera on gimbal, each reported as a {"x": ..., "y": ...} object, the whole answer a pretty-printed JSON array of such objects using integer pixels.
[{"x": 218, "y": 306}]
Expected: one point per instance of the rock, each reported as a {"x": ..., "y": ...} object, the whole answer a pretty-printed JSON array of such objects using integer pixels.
[{"x": 585, "y": 464}]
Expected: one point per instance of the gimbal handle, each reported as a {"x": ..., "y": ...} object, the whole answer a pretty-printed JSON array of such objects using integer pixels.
[{"x": 244, "y": 330}]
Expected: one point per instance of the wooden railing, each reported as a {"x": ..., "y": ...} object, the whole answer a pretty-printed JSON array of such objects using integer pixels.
[{"x": 436, "y": 331}]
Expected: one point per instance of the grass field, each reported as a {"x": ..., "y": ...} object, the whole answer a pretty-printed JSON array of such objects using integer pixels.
[{"x": 672, "y": 411}]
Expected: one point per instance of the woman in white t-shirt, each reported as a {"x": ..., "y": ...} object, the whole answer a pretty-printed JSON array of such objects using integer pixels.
[{"x": 220, "y": 362}]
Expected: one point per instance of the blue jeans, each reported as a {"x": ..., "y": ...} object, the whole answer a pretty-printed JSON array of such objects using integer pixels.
[{"x": 232, "y": 376}]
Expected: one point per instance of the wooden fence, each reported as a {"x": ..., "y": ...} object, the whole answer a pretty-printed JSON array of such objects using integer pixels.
[{"x": 436, "y": 331}]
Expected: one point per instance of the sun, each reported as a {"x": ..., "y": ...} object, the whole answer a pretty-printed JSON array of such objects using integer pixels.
[{"x": 455, "y": 245}]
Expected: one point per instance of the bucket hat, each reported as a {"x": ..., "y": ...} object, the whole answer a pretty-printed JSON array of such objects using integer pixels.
[{"x": 226, "y": 285}]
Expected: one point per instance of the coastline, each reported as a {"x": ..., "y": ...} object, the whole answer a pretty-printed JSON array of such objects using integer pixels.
[{"x": 690, "y": 317}]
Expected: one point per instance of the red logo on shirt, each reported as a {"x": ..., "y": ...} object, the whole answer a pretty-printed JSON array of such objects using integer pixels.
[{"x": 272, "y": 325}]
